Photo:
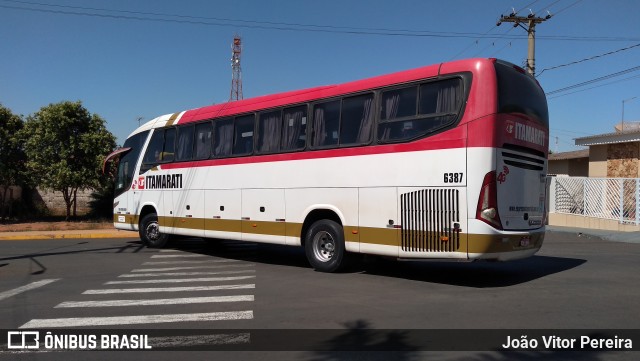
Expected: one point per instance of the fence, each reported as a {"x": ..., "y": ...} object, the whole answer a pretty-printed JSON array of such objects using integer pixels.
[{"x": 606, "y": 198}]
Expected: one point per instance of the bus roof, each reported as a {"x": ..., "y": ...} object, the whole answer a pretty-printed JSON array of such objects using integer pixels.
[{"x": 306, "y": 95}]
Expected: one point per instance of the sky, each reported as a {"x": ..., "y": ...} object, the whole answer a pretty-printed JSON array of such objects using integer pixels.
[{"x": 130, "y": 60}]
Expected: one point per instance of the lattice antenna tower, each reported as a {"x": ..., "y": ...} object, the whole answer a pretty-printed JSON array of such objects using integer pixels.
[{"x": 236, "y": 69}]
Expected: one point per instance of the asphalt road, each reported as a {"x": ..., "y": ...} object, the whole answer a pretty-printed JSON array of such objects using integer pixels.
[{"x": 226, "y": 288}]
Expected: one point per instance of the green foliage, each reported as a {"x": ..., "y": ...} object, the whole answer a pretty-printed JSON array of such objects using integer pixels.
[
  {"x": 12, "y": 155},
  {"x": 65, "y": 146}
]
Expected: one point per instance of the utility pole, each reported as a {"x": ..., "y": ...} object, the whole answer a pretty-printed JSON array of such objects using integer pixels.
[
  {"x": 530, "y": 21},
  {"x": 236, "y": 70}
]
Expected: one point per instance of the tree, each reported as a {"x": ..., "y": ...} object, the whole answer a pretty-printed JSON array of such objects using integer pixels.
[
  {"x": 65, "y": 147},
  {"x": 12, "y": 155}
]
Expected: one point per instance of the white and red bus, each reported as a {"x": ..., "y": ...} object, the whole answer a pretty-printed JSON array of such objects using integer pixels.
[{"x": 446, "y": 161}]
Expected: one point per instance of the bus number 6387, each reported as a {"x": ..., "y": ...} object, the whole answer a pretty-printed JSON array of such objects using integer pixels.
[{"x": 453, "y": 177}]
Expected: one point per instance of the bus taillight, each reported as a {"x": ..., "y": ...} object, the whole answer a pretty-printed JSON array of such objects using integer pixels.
[{"x": 487, "y": 210}]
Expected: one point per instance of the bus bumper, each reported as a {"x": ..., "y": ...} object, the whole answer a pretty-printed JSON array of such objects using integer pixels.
[{"x": 497, "y": 245}]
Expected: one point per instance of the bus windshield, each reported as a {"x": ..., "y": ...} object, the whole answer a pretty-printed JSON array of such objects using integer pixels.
[
  {"x": 127, "y": 163},
  {"x": 520, "y": 93}
]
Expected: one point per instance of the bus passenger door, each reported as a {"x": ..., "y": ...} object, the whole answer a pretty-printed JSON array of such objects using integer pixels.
[{"x": 263, "y": 215}]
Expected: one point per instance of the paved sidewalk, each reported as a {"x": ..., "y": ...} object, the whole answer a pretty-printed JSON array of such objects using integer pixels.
[
  {"x": 616, "y": 236},
  {"x": 95, "y": 233}
]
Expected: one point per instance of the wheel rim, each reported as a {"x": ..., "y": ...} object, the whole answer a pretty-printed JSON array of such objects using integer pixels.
[
  {"x": 324, "y": 246},
  {"x": 152, "y": 231}
]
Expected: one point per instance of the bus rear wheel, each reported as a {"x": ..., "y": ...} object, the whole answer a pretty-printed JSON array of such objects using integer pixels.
[
  {"x": 324, "y": 246},
  {"x": 149, "y": 230}
]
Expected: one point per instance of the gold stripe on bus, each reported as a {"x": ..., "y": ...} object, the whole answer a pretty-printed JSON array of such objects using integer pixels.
[
  {"x": 223, "y": 225},
  {"x": 486, "y": 243},
  {"x": 475, "y": 243},
  {"x": 128, "y": 218},
  {"x": 380, "y": 236},
  {"x": 172, "y": 119},
  {"x": 264, "y": 227}
]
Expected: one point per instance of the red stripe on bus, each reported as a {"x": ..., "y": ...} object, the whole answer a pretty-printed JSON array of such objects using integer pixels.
[{"x": 306, "y": 95}]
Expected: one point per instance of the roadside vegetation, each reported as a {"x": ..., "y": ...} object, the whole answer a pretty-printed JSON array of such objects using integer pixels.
[{"x": 61, "y": 148}]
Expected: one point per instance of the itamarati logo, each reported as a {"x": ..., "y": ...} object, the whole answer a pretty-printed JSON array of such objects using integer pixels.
[
  {"x": 159, "y": 181},
  {"x": 526, "y": 133}
]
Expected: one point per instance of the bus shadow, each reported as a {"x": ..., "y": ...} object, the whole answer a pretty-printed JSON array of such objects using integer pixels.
[
  {"x": 244, "y": 251},
  {"x": 474, "y": 274},
  {"x": 466, "y": 274}
]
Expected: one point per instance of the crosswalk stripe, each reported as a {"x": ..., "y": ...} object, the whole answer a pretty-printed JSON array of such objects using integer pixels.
[
  {"x": 167, "y": 289},
  {"x": 156, "y": 302},
  {"x": 171, "y": 274},
  {"x": 190, "y": 255},
  {"x": 180, "y": 280},
  {"x": 190, "y": 262},
  {"x": 134, "y": 320},
  {"x": 30, "y": 286},
  {"x": 191, "y": 267}
]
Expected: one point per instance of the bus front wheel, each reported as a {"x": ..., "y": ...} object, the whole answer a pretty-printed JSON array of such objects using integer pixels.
[
  {"x": 324, "y": 246},
  {"x": 150, "y": 232}
]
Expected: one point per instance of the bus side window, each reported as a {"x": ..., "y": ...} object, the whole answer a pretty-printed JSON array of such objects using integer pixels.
[
  {"x": 356, "y": 120},
  {"x": 440, "y": 100},
  {"x": 294, "y": 130},
  {"x": 203, "y": 141},
  {"x": 407, "y": 114},
  {"x": 243, "y": 137},
  {"x": 223, "y": 141},
  {"x": 399, "y": 103},
  {"x": 269, "y": 132},
  {"x": 326, "y": 124},
  {"x": 168, "y": 152},
  {"x": 154, "y": 149},
  {"x": 184, "y": 149}
]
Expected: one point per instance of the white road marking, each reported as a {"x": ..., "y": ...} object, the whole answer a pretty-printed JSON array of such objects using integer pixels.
[
  {"x": 169, "y": 250},
  {"x": 156, "y": 302},
  {"x": 189, "y": 262},
  {"x": 192, "y": 267},
  {"x": 190, "y": 255},
  {"x": 6, "y": 294},
  {"x": 181, "y": 280},
  {"x": 171, "y": 274},
  {"x": 167, "y": 289},
  {"x": 136, "y": 320}
]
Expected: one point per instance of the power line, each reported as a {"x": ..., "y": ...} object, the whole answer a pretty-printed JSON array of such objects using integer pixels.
[
  {"x": 239, "y": 23},
  {"x": 568, "y": 7},
  {"x": 597, "y": 86},
  {"x": 602, "y": 78},
  {"x": 589, "y": 58}
]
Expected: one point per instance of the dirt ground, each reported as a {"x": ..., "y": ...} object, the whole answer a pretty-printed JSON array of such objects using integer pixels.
[{"x": 54, "y": 225}]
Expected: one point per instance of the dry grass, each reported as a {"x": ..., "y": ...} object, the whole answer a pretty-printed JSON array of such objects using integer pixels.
[{"x": 54, "y": 225}]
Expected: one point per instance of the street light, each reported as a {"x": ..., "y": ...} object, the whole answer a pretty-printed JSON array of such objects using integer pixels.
[{"x": 624, "y": 101}]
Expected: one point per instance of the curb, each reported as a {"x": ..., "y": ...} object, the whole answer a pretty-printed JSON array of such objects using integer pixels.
[{"x": 17, "y": 236}]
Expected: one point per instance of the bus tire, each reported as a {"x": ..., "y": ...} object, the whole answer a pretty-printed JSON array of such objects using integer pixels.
[
  {"x": 324, "y": 246},
  {"x": 150, "y": 232}
]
